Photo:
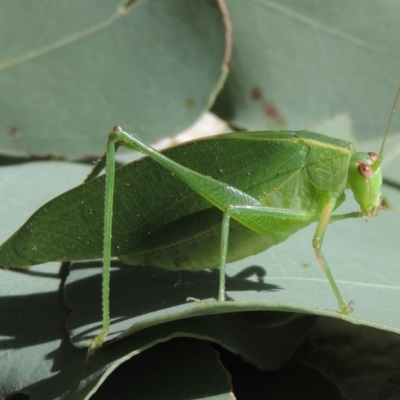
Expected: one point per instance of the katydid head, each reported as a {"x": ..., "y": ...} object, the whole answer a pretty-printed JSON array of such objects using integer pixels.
[
  {"x": 365, "y": 176},
  {"x": 365, "y": 181}
]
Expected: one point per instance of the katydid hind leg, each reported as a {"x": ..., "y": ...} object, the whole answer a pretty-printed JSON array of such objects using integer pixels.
[
  {"x": 224, "y": 252},
  {"x": 118, "y": 137},
  {"x": 112, "y": 145}
]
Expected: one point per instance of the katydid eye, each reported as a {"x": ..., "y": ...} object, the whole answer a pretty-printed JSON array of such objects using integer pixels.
[
  {"x": 373, "y": 156},
  {"x": 365, "y": 170}
]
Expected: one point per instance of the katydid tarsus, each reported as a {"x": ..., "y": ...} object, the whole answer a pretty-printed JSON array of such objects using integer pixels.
[{"x": 203, "y": 204}]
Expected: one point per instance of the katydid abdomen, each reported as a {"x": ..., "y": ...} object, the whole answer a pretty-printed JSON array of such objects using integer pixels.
[{"x": 193, "y": 242}]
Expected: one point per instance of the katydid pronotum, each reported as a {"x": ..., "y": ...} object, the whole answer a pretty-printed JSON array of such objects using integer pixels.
[{"x": 202, "y": 204}]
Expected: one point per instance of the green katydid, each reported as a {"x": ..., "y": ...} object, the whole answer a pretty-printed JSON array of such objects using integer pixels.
[{"x": 203, "y": 204}]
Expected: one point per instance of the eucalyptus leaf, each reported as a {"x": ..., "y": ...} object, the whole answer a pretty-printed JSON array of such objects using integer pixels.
[
  {"x": 295, "y": 63},
  {"x": 71, "y": 71}
]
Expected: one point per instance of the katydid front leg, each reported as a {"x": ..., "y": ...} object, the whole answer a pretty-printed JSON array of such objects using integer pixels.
[{"x": 323, "y": 223}]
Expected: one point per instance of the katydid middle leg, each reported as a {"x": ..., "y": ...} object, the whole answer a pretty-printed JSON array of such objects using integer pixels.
[{"x": 251, "y": 213}]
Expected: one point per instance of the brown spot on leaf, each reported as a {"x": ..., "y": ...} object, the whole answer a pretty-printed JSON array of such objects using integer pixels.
[
  {"x": 273, "y": 114},
  {"x": 189, "y": 103},
  {"x": 13, "y": 132},
  {"x": 256, "y": 93}
]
